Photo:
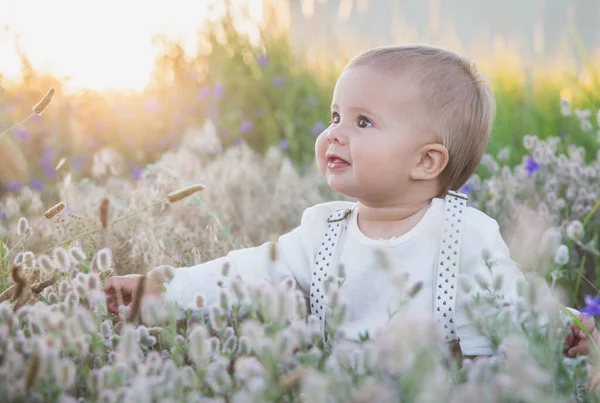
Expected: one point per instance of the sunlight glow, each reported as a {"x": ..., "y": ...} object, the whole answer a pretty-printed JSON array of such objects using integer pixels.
[{"x": 98, "y": 45}]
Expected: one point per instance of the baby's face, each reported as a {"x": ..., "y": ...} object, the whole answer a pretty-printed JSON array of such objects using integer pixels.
[{"x": 372, "y": 143}]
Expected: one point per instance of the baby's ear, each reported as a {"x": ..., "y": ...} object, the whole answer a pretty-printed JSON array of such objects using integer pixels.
[{"x": 431, "y": 161}]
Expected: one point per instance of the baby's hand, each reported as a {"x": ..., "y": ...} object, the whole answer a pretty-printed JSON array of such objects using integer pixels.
[
  {"x": 577, "y": 341},
  {"x": 125, "y": 288}
]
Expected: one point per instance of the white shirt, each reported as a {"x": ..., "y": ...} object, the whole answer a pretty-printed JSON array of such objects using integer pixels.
[{"x": 368, "y": 290}]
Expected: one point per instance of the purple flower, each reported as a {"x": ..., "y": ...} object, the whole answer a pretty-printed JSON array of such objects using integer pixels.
[
  {"x": 466, "y": 188},
  {"x": 37, "y": 184},
  {"x": 531, "y": 165},
  {"x": 262, "y": 60},
  {"x": 22, "y": 134},
  {"x": 592, "y": 306},
  {"x": 219, "y": 91},
  {"x": 278, "y": 81},
  {"x": 311, "y": 101},
  {"x": 50, "y": 172},
  {"x": 317, "y": 128},
  {"x": 203, "y": 92},
  {"x": 285, "y": 144},
  {"x": 246, "y": 126},
  {"x": 13, "y": 186},
  {"x": 136, "y": 171},
  {"x": 2, "y": 215}
]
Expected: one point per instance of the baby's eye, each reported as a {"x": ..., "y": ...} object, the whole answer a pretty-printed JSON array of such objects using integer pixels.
[
  {"x": 363, "y": 122},
  {"x": 335, "y": 118}
]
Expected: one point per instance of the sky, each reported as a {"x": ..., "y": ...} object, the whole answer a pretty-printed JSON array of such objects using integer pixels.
[{"x": 101, "y": 45}]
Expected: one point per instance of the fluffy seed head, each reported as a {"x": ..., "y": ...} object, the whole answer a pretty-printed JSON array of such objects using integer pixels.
[
  {"x": 56, "y": 209},
  {"x": 103, "y": 259},
  {"x": 183, "y": 193},
  {"x": 200, "y": 300},
  {"x": 44, "y": 102},
  {"x": 561, "y": 256},
  {"x": 46, "y": 263},
  {"x": 76, "y": 254},
  {"x": 22, "y": 225},
  {"x": 61, "y": 258},
  {"x": 225, "y": 269}
]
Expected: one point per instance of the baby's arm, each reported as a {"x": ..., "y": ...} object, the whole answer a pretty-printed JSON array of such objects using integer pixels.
[{"x": 254, "y": 265}]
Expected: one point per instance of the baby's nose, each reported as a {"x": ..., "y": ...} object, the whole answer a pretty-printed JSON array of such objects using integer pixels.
[{"x": 336, "y": 135}]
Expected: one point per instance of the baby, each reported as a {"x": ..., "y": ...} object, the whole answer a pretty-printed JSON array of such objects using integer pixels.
[{"x": 409, "y": 125}]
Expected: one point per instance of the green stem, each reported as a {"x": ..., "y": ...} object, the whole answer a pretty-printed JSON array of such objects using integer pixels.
[
  {"x": 15, "y": 125},
  {"x": 21, "y": 240},
  {"x": 589, "y": 216}
]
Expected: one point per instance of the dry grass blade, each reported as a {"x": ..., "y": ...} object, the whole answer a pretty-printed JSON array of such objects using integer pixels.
[
  {"x": 42, "y": 285},
  {"x": 137, "y": 302},
  {"x": 104, "y": 213},
  {"x": 8, "y": 293},
  {"x": 44, "y": 102},
  {"x": 33, "y": 368},
  {"x": 183, "y": 193},
  {"x": 18, "y": 280},
  {"x": 54, "y": 210}
]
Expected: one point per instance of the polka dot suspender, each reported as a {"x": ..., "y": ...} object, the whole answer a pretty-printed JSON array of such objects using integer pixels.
[
  {"x": 325, "y": 263},
  {"x": 446, "y": 270}
]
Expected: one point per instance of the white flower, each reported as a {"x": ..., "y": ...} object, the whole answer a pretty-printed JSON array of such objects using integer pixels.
[
  {"x": 586, "y": 125},
  {"x": 561, "y": 257},
  {"x": 575, "y": 230},
  {"x": 565, "y": 107}
]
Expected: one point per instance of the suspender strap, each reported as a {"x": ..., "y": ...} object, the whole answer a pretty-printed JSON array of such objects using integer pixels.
[
  {"x": 455, "y": 205},
  {"x": 325, "y": 263}
]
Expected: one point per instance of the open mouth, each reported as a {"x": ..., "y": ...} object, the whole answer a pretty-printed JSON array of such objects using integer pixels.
[{"x": 335, "y": 162}]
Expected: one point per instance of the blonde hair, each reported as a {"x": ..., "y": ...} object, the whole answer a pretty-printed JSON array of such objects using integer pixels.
[{"x": 458, "y": 106}]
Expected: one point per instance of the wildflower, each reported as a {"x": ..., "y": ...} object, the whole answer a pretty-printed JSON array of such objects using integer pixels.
[
  {"x": 223, "y": 300},
  {"x": 278, "y": 81},
  {"x": 37, "y": 185},
  {"x": 56, "y": 209},
  {"x": 575, "y": 230},
  {"x": 200, "y": 300},
  {"x": 216, "y": 317},
  {"x": 586, "y": 125},
  {"x": 481, "y": 280},
  {"x": 565, "y": 107},
  {"x": 103, "y": 259},
  {"x": 76, "y": 254},
  {"x": 225, "y": 269},
  {"x": 44, "y": 102},
  {"x": 61, "y": 258},
  {"x": 504, "y": 154},
  {"x": 13, "y": 186},
  {"x": 592, "y": 306},
  {"x": 262, "y": 60},
  {"x": 46, "y": 263},
  {"x": 246, "y": 126},
  {"x": 244, "y": 346},
  {"x": 183, "y": 193},
  {"x": 561, "y": 257},
  {"x": 466, "y": 189},
  {"x": 341, "y": 270},
  {"x": 531, "y": 165},
  {"x": 285, "y": 144},
  {"x": 317, "y": 128},
  {"x": 136, "y": 171},
  {"x": 219, "y": 91},
  {"x": 22, "y": 225}
]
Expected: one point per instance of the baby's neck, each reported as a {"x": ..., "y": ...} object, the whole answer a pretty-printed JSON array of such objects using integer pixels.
[{"x": 378, "y": 222}]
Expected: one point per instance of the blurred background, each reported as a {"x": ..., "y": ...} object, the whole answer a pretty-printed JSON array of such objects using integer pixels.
[{"x": 133, "y": 76}]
